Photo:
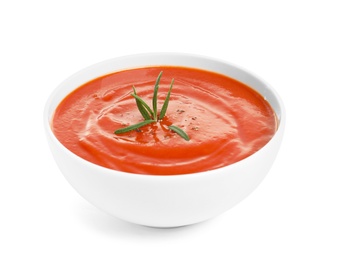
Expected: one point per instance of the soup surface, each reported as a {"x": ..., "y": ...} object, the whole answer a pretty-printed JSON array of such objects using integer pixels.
[{"x": 226, "y": 121}]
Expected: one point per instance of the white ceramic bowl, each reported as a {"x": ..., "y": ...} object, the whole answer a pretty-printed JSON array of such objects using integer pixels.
[{"x": 164, "y": 201}]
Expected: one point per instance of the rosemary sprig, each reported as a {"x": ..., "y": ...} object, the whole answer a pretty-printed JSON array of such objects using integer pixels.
[{"x": 151, "y": 116}]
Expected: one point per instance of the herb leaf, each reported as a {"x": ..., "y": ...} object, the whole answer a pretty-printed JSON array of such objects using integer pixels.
[
  {"x": 155, "y": 97},
  {"x": 179, "y": 131},
  {"x": 143, "y": 104},
  {"x": 165, "y": 105},
  {"x": 134, "y": 127},
  {"x": 141, "y": 107}
]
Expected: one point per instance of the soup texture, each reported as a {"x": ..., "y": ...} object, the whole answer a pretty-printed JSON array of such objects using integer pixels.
[{"x": 226, "y": 121}]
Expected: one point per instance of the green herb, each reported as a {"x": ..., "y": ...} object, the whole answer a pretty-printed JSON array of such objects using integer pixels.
[
  {"x": 151, "y": 116},
  {"x": 134, "y": 127},
  {"x": 155, "y": 97},
  {"x": 179, "y": 131},
  {"x": 144, "y": 108},
  {"x": 141, "y": 106},
  {"x": 165, "y": 105}
]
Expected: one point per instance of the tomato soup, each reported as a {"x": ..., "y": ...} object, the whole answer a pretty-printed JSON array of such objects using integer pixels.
[{"x": 226, "y": 121}]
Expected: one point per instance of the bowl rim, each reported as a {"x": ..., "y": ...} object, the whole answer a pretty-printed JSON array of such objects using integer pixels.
[{"x": 48, "y": 115}]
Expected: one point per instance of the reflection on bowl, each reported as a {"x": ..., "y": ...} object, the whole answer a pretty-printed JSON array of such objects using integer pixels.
[{"x": 173, "y": 200}]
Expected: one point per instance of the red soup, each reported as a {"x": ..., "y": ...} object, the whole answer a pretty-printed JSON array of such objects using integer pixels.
[{"x": 226, "y": 121}]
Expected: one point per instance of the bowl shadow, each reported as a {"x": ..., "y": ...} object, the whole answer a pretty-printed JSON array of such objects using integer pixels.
[{"x": 108, "y": 225}]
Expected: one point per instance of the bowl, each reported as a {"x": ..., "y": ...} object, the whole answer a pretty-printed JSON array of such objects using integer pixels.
[{"x": 170, "y": 200}]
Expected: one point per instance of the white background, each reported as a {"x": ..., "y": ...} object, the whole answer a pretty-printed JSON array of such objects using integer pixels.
[{"x": 293, "y": 45}]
